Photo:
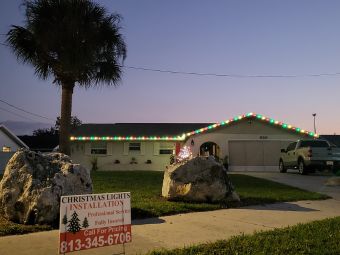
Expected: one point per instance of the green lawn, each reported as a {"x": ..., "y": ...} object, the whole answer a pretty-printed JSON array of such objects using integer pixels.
[
  {"x": 318, "y": 237},
  {"x": 145, "y": 187}
]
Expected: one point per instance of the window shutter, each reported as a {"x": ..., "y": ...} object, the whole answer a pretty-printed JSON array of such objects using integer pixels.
[
  {"x": 87, "y": 148},
  {"x": 109, "y": 148},
  {"x": 155, "y": 148},
  {"x": 126, "y": 149},
  {"x": 142, "y": 148}
]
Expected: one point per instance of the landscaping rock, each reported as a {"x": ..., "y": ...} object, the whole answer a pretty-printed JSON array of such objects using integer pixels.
[
  {"x": 333, "y": 181},
  {"x": 199, "y": 180},
  {"x": 33, "y": 183}
]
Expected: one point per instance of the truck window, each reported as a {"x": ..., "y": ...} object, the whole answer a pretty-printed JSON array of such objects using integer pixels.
[
  {"x": 313, "y": 144},
  {"x": 291, "y": 146}
]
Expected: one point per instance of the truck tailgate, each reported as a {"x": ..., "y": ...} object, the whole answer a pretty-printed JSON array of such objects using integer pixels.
[{"x": 325, "y": 154}]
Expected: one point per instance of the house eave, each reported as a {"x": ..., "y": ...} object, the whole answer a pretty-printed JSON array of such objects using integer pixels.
[{"x": 185, "y": 136}]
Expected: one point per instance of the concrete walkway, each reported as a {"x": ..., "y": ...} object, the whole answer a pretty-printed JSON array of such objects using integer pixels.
[
  {"x": 185, "y": 229},
  {"x": 312, "y": 182}
]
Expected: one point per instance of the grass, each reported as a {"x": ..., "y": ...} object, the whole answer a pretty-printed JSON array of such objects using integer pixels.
[
  {"x": 318, "y": 237},
  {"x": 11, "y": 228},
  {"x": 145, "y": 188}
]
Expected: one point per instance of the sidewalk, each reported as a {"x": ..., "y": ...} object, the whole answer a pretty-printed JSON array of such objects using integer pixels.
[{"x": 185, "y": 229}]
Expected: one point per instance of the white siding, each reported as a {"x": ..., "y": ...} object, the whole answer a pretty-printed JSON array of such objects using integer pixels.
[
  {"x": 7, "y": 141},
  {"x": 87, "y": 148},
  {"x": 126, "y": 149},
  {"x": 142, "y": 148},
  {"x": 156, "y": 148},
  {"x": 120, "y": 152},
  {"x": 109, "y": 148}
]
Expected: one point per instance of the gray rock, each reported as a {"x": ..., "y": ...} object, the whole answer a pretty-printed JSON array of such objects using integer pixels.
[
  {"x": 199, "y": 180},
  {"x": 33, "y": 183}
]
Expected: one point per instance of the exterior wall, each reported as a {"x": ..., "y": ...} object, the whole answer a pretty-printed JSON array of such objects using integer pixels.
[
  {"x": 118, "y": 150},
  {"x": 7, "y": 141},
  {"x": 5, "y": 156},
  {"x": 241, "y": 131},
  {"x": 244, "y": 130}
]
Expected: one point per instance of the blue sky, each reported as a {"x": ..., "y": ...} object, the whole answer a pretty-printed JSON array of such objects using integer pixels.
[{"x": 233, "y": 37}]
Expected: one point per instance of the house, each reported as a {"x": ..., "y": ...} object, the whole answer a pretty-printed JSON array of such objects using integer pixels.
[
  {"x": 9, "y": 144},
  {"x": 129, "y": 146},
  {"x": 250, "y": 142}
]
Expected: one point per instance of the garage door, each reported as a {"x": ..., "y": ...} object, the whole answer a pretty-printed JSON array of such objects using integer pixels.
[{"x": 255, "y": 155}]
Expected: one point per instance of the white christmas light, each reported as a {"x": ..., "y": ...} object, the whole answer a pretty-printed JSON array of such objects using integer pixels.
[{"x": 184, "y": 154}]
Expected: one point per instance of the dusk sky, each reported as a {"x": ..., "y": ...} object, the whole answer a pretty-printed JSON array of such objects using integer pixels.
[{"x": 224, "y": 37}]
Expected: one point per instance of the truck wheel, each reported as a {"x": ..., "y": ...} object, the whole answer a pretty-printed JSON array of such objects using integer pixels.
[
  {"x": 301, "y": 167},
  {"x": 282, "y": 167}
]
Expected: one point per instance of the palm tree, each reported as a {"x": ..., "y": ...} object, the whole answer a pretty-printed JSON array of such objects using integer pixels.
[{"x": 77, "y": 42}]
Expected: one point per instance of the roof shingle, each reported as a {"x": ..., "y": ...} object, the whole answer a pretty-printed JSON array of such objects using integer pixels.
[{"x": 137, "y": 129}]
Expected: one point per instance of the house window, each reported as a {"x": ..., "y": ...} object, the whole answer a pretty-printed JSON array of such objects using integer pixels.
[
  {"x": 98, "y": 148},
  {"x": 166, "y": 149},
  {"x": 134, "y": 146},
  {"x": 6, "y": 149}
]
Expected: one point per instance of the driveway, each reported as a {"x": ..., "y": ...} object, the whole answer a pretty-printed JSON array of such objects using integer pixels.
[{"x": 313, "y": 182}]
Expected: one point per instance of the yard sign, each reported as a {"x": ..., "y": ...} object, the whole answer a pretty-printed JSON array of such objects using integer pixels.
[{"x": 94, "y": 220}]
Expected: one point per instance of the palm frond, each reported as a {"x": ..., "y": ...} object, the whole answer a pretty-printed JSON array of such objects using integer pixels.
[{"x": 74, "y": 40}]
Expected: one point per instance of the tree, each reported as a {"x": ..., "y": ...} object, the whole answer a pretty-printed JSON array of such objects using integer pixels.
[
  {"x": 74, "y": 225},
  {"x": 74, "y": 41},
  {"x": 64, "y": 221},
  {"x": 52, "y": 131},
  {"x": 85, "y": 223},
  {"x": 75, "y": 122},
  {"x": 45, "y": 132}
]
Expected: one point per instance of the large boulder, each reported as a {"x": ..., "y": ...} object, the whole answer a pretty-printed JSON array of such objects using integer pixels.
[
  {"x": 200, "y": 179},
  {"x": 33, "y": 183}
]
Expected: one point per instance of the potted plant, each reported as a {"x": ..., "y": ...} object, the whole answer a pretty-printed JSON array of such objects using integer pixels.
[{"x": 133, "y": 160}]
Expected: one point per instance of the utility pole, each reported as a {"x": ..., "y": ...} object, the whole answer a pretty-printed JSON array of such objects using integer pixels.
[{"x": 314, "y": 114}]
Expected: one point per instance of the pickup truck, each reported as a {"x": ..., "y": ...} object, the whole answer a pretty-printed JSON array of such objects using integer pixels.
[{"x": 308, "y": 155}]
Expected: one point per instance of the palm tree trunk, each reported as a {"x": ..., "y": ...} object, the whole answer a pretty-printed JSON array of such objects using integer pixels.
[{"x": 65, "y": 120}]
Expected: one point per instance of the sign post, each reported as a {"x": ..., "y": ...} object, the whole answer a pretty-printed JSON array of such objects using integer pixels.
[{"x": 94, "y": 220}]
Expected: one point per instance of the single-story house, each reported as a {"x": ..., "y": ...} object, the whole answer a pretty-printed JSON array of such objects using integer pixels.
[
  {"x": 250, "y": 142},
  {"x": 9, "y": 144}
]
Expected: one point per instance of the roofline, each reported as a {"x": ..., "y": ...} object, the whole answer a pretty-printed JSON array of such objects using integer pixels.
[
  {"x": 13, "y": 136},
  {"x": 184, "y": 136}
]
